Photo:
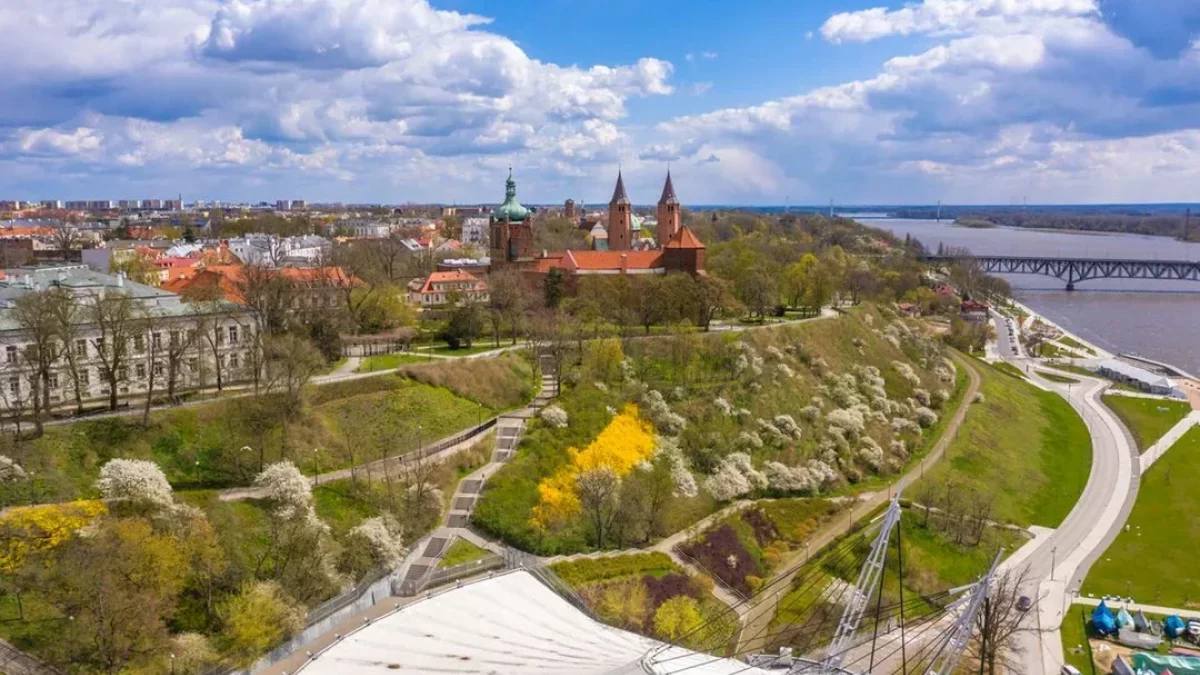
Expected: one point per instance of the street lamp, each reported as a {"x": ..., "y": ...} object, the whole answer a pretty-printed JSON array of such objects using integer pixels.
[
  {"x": 317, "y": 459},
  {"x": 479, "y": 416},
  {"x": 172, "y": 664},
  {"x": 1053, "y": 559}
]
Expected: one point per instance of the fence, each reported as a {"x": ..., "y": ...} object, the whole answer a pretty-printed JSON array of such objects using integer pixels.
[
  {"x": 515, "y": 559},
  {"x": 435, "y": 578}
]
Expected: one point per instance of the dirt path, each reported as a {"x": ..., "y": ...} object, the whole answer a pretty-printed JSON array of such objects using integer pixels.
[{"x": 757, "y": 620}]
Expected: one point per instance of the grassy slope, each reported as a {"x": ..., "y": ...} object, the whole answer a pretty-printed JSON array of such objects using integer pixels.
[
  {"x": 693, "y": 363},
  {"x": 1061, "y": 379},
  {"x": 1153, "y": 559},
  {"x": 351, "y": 421},
  {"x": 389, "y": 362},
  {"x": 461, "y": 551},
  {"x": 1074, "y": 635},
  {"x": 1025, "y": 446},
  {"x": 1147, "y": 419}
]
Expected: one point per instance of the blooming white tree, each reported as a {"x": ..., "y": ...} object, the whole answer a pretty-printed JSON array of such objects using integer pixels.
[
  {"x": 734, "y": 477},
  {"x": 288, "y": 490},
  {"x": 660, "y": 413},
  {"x": 907, "y": 372},
  {"x": 922, "y": 397},
  {"x": 724, "y": 406},
  {"x": 554, "y": 416},
  {"x": 136, "y": 480},
  {"x": 10, "y": 471},
  {"x": 871, "y": 453},
  {"x": 382, "y": 535},
  {"x": 787, "y": 425},
  {"x": 940, "y": 397},
  {"x": 850, "y": 421},
  {"x": 790, "y": 479},
  {"x": 810, "y": 413},
  {"x": 925, "y": 417}
]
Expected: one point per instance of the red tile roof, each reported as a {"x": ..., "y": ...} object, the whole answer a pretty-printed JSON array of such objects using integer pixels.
[
  {"x": 685, "y": 238},
  {"x": 451, "y": 277}
]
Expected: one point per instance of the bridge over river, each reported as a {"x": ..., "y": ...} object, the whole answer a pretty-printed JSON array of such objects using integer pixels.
[{"x": 1075, "y": 270}]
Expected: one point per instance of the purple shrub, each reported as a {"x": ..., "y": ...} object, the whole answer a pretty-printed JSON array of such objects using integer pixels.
[
  {"x": 722, "y": 555},
  {"x": 765, "y": 531},
  {"x": 661, "y": 589}
]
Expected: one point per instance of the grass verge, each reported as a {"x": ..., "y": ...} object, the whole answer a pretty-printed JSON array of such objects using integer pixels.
[
  {"x": 388, "y": 362},
  {"x": 461, "y": 552},
  {"x": 1147, "y": 418}
]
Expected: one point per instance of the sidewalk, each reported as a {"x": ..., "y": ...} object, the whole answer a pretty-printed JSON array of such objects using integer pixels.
[
  {"x": 1135, "y": 606},
  {"x": 1160, "y": 447}
]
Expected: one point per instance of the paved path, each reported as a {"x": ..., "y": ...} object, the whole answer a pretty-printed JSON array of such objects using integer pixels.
[
  {"x": 755, "y": 632},
  {"x": 1116, "y": 604},
  {"x": 1057, "y": 564},
  {"x": 1160, "y": 447}
]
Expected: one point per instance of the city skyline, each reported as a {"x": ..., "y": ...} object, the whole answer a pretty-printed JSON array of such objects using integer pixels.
[{"x": 362, "y": 101}]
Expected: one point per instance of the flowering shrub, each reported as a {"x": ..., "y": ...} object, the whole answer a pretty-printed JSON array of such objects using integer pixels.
[
  {"x": 871, "y": 453},
  {"x": 940, "y": 397},
  {"x": 901, "y": 425},
  {"x": 810, "y": 413},
  {"x": 978, "y": 397},
  {"x": 137, "y": 480},
  {"x": 925, "y": 417},
  {"x": 785, "y": 370},
  {"x": 288, "y": 490},
  {"x": 772, "y": 433},
  {"x": 774, "y": 353},
  {"x": 899, "y": 448},
  {"x": 600, "y": 386},
  {"x": 623, "y": 444},
  {"x": 554, "y": 416},
  {"x": 787, "y": 425},
  {"x": 922, "y": 397},
  {"x": 667, "y": 421},
  {"x": 790, "y": 479},
  {"x": 724, "y": 406},
  {"x": 848, "y": 420},
  {"x": 29, "y": 530},
  {"x": 382, "y": 537},
  {"x": 734, "y": 477},
  {"x": 10, "y": 471},
  {"x": 906, "y": 372},
  {"x": 749, "y": 440}
]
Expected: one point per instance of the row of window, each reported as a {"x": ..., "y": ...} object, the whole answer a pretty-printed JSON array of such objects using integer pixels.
[
  {"x": 139, "y": 342},
  {"x": 233, "y": 360}
]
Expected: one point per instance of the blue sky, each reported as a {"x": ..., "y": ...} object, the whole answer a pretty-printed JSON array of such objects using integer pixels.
[{"x": 753, "y": 102}]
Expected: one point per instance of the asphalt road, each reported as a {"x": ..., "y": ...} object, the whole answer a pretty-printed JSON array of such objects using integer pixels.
[{"x": 1056, "y": 568}]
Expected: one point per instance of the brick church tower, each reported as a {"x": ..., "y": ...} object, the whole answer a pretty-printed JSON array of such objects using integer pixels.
[
  {"x": 619, "y": 222},
  {"x": 668, "y": 213}
]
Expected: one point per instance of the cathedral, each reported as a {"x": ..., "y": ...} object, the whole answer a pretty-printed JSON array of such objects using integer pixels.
[{"x": 678, "y": 249}]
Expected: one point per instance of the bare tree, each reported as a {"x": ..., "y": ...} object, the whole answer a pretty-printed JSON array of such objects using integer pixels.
[
  {"x": 116, "y": 315},
  {"x": 68, "y": 315},
  {"x": 150, "y": 326},
  {"x": 599, "y": 497},
  {"x": 268, "y": 296},
  {"x": 37, "y": 313},
  {"x": 179, "y": 345},
  {"x": 1000, "y": 625}
]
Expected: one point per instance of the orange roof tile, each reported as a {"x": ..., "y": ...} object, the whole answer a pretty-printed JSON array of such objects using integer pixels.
[{"x": 685, "y": 238}]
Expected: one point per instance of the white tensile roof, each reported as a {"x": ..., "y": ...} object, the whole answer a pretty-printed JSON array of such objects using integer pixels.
[
  {"x": 1139, "y": 374},
  {"x": 511, "y": 624}
]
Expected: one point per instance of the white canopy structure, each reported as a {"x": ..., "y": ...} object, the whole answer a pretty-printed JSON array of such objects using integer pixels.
[{"x": 511, "y": 624}]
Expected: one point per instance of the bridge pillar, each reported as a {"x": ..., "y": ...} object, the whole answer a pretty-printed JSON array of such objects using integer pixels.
[{"x": 1070, "y": 285}]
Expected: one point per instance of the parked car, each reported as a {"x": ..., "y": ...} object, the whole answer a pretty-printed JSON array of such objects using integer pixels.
[
  {"x": 1069, "y": 670},
  {"x": 1024, "y": 603}
]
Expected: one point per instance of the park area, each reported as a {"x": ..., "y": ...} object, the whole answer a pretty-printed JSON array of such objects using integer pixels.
[
  {"x": 1022, "y": 453},
  {"x": 1148, "y": 419},
  {"x": 1153, "y": 559}
]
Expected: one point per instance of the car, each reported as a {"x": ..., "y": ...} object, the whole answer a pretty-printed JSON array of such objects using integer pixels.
[
  {"x": 1069, "y": 670},
  {"x": 1024, "y": 603}
]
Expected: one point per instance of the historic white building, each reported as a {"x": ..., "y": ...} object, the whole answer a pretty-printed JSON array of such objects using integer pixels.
[{"x": 191, "y": 344}]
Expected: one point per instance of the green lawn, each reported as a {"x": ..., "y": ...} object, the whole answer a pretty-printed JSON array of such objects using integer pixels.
[
  {"x": 1009, "y": 369},
  {"x": 1153, "y": 559},
  {"x": 1025, "y": 447},
  {"x": 460, "y": 552},
  {"x": 1049, "y": 351},
  {"x": 389, "y": 361},
  {"x": 1074, "y": 639},
  {"x": 1076, "y": 344},
  {"x": 1147, "y": 419},
  {"x": 479, "y": 347},
  {"x": 1061, "y": 379}
]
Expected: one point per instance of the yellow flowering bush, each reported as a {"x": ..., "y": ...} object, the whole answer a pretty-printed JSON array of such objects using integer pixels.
[
  {"x": 36, "y": 529},
  {"x": 627, "y": 441}
]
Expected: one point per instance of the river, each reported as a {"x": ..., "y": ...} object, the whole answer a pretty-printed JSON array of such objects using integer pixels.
[{"x": 1156, "y": 319}]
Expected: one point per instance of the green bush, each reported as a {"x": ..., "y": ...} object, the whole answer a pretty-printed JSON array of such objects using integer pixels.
[{"x": 577, "y": 573}]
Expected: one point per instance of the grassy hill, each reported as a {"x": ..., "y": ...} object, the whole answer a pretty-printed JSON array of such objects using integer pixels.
[{"x": 816, "y": 407}]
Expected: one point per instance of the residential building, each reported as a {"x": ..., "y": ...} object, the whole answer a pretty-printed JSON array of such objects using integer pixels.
[
  {"x": 475, "y": 232},
  {"x": 187, "y": 344},
  {"x": 439, "y": 288},
  {"x": 10, "y": 205},
  {"x": 55, "y": 204}
]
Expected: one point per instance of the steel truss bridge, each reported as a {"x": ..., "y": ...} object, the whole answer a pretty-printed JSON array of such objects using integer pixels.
[{"x": 1075, "y": 270}]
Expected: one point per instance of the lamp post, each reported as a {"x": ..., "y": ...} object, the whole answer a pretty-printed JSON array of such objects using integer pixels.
[
  {"x": 1053, "y": 559},
  {"x": 317, "y": 459},
  {"x": 172, "y": 664},
  {"x": 479, "y": 416}
]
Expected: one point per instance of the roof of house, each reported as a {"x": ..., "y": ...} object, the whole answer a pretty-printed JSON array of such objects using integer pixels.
[
  {"x": 449, "y": 277},
  {"x": 684, "y": 238},
  {"x": 1134, "y": 373}
]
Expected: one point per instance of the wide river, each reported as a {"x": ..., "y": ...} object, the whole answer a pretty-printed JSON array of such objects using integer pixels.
[{"x": 1156, "y": 319}]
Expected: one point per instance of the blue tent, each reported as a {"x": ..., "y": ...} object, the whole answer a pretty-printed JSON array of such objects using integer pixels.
[
  {"x": 1124, "y": 619},
  {"x": 1103, "y": 620},
  {"x": 1173, "y": 626}
]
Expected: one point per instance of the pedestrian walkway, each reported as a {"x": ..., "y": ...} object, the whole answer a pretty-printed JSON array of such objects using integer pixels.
[
  {"x": 1160, "y": 447},
  {"x": 1118, "y": 603}
]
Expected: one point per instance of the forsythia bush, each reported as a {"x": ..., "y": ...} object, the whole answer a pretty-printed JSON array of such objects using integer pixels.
[
  {"x": 627, "y": 441},
  {"x": 34, "y": 529}
]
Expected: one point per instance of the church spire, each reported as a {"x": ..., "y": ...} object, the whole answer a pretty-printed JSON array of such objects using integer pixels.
[
  {"x": 668, "y": 193},
  {"x": 619, "y": 196}
]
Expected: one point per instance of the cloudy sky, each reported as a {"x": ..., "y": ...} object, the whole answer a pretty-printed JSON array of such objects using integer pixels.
[{"x": 751, "y": 102}]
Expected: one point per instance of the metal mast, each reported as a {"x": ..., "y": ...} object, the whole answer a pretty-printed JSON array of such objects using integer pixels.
[
  {"x": 868, "y": 580},
  {"x": 952, "y": 653}
]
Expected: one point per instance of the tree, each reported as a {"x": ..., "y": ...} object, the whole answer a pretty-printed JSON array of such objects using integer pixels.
[
  {"x": 677, "y": 618},
  {"x": 291, "y": 363},
  {"x": 137, "y": 481},
  {"x": 1000, "y": 626},
  {"x": 116, "y": 315},
  {"x": 120, "y": 584},
  {"x": 506, "y": 302},
  {"x": 38, "y": 315},
  {"x": 465, "y": 324},
  {"x": 599, "y": 492},
  {"x": 259, "y": 617},
  {"x": 68, "y": 315},
  {"x": 553, "y": 288},
  {"x": 713, "y": 298},
  {"x": 268, "y": 296},
  {"x": 758, "y": 290}
]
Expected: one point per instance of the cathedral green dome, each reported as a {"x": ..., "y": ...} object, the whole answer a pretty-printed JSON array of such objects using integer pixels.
[{"x": 511, "y": 210}]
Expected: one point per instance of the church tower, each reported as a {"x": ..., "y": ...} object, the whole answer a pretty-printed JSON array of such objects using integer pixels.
[
  {"x": 668, "y": 213},
  {"x": 619, "y": 221}
]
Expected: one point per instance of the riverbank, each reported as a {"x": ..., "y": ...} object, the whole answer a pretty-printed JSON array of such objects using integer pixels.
[{"x": 1033, "y": 315}]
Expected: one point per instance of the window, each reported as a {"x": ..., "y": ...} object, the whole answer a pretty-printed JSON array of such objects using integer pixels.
[
  {"x": 233, "y": 336},
  {"x": 83, "y": 377},
  {"x": 233, "y": 360},
  {"x": 123, "y": 373},
  {"x": 220, "y": 336},
  {"x": 194, "y": 364},
  {"x": 53, "y": 380},
  {"x": 157, "y": 341},
  {"x": 81, "y": 348},
  {"x": 10, "y": 354},
  {"x": 191, "y": 335},
  {"x": 141, "y": 371},
  {"x": 139, "y": 343},
  {"x": 158, "y": 370},
  {"x": 14, "y": 387}
]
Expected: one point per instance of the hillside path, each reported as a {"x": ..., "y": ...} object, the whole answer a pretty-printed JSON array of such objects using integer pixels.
[{"x": 755, "y": 634}]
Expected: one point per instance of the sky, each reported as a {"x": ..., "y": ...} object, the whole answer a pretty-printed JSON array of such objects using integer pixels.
[{"x": 748, "y": 102}]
